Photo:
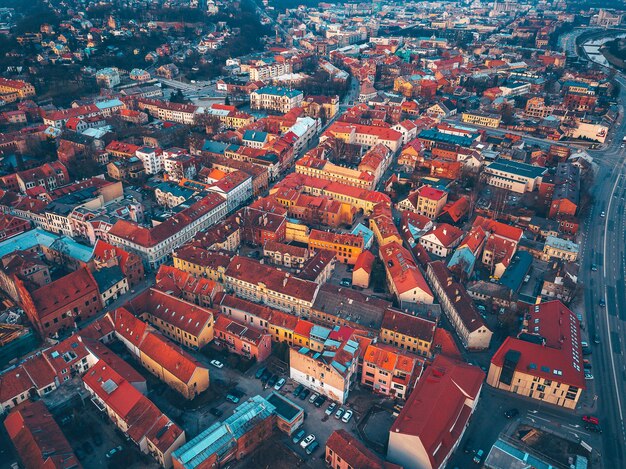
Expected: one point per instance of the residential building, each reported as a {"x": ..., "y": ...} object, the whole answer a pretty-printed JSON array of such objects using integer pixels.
[
  {"x": 434, "y": 418},
  {"x": 404, "y": 277},
  {"x": 482, "y": 118},
  {"x": 363, "y": 269},
  {"x": 180, "y": 284},
  {"x": 389, "y": 371},
  {"x": 277, "y": 99},
  {"x": 108, "y": 77},
  {"x": 545, "y": 361},
  {"x": 442, "y": 239},
  {"x": 459, "y": 308},
  {"x": 560, "y": 249},
  {"x": 21, "y": 88},
  {"x": 242, "y": 339},
  {"x": 408, "y": 332},
  {"x": 347, "y": 247},
  {"x": 513, "y": 176},
  {"x": 345, "y": 451}
]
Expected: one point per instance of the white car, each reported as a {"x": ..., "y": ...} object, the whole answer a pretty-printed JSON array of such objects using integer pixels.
[
  {"x": 339, "y": 413},
  {"x": 346, "y": 416},
  {"x": 279, "y": 384},
  {"x": 588, "y": 375},
  {"x": 217, "y": 364},
  {"x": 602, "y": 214},
  {"x": 307, "y": 441},
  {"x": 331, "y": 408},
  {"x": 313, "y": 397}
]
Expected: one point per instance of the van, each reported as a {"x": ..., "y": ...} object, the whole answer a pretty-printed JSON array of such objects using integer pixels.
[{"x": 478, "y": 457}]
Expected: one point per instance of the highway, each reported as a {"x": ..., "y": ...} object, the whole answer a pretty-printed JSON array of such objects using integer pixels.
[{"x": 604, "y": 244}]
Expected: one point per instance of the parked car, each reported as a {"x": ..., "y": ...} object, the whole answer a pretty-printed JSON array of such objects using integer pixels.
[
  {"x": 232, "y": 398},
  {"x": 593, "y": 428},
  {"x": 346, "y": 416},
  {"x": 297, "y": 438},
  {"x": 279, "y": 384},
  {"x": 215, "y": 411},
  {"x": 478, "y": 457},
  {"x": 339, "y": 412},
  {"x": 346, "y": 282},
  {"x": 97, "y": 439},
  {"x": 594, "y": 268},
  {"x": 319, "y": 402},
  {"x": 511, "y": 413},
  {"x": 591, "y": 419},
  {"x": 114, "y": 451},
  {"x": 267, "y": 374},
  {"x": 331, "y": 408},
  {"x": 298, "y": 390},
  {"x": 272, "y": 381},
  {"x": 602, "y": 214},
  {"x": 588, "y": 375},
  {"x": 217, "y": 364},
  {"x": 307, "y": 441},
  {"x": 312, "y": 447},
  {"x": 313, "y": 397},
  {"x": 259, "y": 372},
  {"x": 303, "y": 395}
]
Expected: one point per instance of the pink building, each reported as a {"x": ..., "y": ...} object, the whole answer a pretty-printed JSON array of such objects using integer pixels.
[
  {"x": 390, "y": 371},
  {"x": 242, "y": 339}
]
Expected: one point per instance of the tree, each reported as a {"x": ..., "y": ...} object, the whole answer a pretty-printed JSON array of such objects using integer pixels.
[
  {"x": 378, "y": 278},
  {"x": 178, "y": 97}
]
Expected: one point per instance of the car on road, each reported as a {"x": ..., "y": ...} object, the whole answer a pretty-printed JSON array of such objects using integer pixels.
[
  {"x": 312, "y": 447},
  {"x": 588, "y": 376},
  {"x": 331, "y": 408},
  {"x": 259, "y": 372},
  {"x": 279, "y": 384},
  {"x": 297, "y": 438},
  {"x": 298, "y": 390},
  {"x": 602, "y": 214},
  {"x": 511, "y": 413},
  {"x": 346, "y": 416},
  {"x": 467, "y": 447},
  {"x": 339, "y": 412},
  {"x": 272, "y": 381},
  {"x": 591, "y": 419},
  {"x": 593, "y": 428},
  {"x": 313, "y": 397},
  {"x": 586, "y": 364},
  {"x": 217, "y": 364},
  {"x": 307, "y": 441},
  {"x": 319, "y": 402},
  {"x": 232, "y": 398},
  {"x": 478, "y": 457},
  {"x": 594, "y": 267},
  {"x": 596, "y": 339},
  {"x": 114, "y": 451},
  {"x": 602, "y": 303},
  {"x": 303, "y": 395}
]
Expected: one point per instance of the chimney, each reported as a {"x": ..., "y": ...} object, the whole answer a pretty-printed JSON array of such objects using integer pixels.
[{"x": 284, "y": 281}]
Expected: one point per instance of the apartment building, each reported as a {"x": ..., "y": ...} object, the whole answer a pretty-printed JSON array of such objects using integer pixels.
[
  {"x": 277, "y": 99},
  {"x": 405, "y": 331},
  {"x": 241, "y": 339},
  {"x": 482, "y": 119},
  {"x": 21, "y": 88},
  {"x": 165, "y": 110},
  {"x": 263, "y": 72},
  {"x": 404, "y": 277},
  {"x": 389, "y": 371},
  {"x": 347, "y": 247},
  {"x": 513, "y": 176}
]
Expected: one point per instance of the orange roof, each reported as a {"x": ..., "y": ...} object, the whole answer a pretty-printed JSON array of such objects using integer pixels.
[
  {"x": 171, "y": 357},
  {"x": 365, "y": 261}
]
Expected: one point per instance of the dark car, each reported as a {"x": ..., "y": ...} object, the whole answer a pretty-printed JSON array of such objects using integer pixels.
[
  {"x": 267, "y": 374},
  {"x": 312, "y": 447},
  {"x": 272, "y": 381},
  {"x": 215, "y": 411},
  {"x": 304, "y": 394},
  {"x": 467, "y": 447},
  {"x": 259, "y": 372},
  {"x": 319, "y": 401},
  {"x": 298, "y": 390},
  {"x": 593, "y": 428},
  {"x": 511, "y": 413},
  {"x": 87, "y": 447},
  {"x": 97, "y": 439},
  {"x": 602, "y": 303},
  {"x": 297, "y": 438}
]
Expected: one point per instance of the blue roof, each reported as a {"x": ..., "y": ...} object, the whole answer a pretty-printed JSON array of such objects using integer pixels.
[
  {"x": 519, "y": 169},
  {"x": 437, "y": 136},
  {"x": 214, "y": 147},
  {"x": 463, "y": 257},
  {"x": 514, "y": 274},
  {"x": 175, "y": 189},
  {"x": 277, "y": 91},
  {"x": 27, "y": 240},
  {"x": 364, "y": 232},
  {"x": 109, "y": 103},
  {"x": 255, "y": 136},
  {"x": 73, "y": 249}
]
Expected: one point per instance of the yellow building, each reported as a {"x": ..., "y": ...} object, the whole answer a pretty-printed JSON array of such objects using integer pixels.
[
  {"x": 403, "y": 86},
  {"x": 407, "y": 332},
  {"x": 21, "y": 88},
  {"x": 346, "y": 247},
  {"x": 482, "y": 119},
  {"x": 201, "y": 262}
]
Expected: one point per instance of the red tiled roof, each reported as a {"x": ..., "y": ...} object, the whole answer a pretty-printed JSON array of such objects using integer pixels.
[
  {"x": 230, "y": 327},
  {"x": 355, "y": 453},
  {"x": 14, "y": 383},
  {"x": 171, "y": 357},
  {"x": 39, "y": 441},
  {"x": 499, "y": 229},
  {"x": 437, "y": 410},
  {"x": 403, "y": 271},
  {"x": 365, "y": 261},
  {"x": 446, "y": 234},
  {"x": 407, "y": 324}
]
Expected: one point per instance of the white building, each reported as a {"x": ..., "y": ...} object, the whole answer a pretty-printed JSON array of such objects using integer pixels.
[{"x": 273, "y": 98}]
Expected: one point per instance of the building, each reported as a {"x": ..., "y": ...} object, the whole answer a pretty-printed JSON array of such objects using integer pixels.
[
  {"x": 107, "y": 255},
  {"x": 61, "y": 304},
  {"x": 251, "y": 423},
  {"x": 545, "y": 361},
  {"x": 268, "y": 285},
  {"x": 442, "y": 239},
  {"x": 430, "y": 202},
  {"x": 344, "y": 451},
  {"x": 37, "y": 438},
  {"x": 264, "y": 71},
  {"x": 404, "y": 277},
  {"x": 330, "y": 371},
  {"x": 133, "y": 413},
  {"x": 408, "y": 332},
  {"x": 347, "y": 247},
  {"x": 434, "y": 418},
  {"x": 560, "y": 249},
  {"x": 513, "y": 176},
  {"x": 111, "y": 283},
  {"x": 458, "y": 308},
  {"x": 154, "y": 245},
  {"x": 197, "y": 290},
  {"x": 242, "y": 339},
  {"x": 389, "y": 371},
  {"x": 108, "y": 77},
  {"x": 179, "y": 320},
  {"x": 481, "y": 118},
  {"x": 21, "y": 88},
  {"x": 363, "y": 269},
  {"x": 277, "y": 99}
]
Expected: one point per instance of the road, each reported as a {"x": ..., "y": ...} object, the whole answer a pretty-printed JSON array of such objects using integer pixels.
[{"x": 604, "y": 244}]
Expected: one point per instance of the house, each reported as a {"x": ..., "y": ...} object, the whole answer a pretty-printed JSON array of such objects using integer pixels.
[
  {"x": 363, "y": 269},
  {"x": 107, "y": 255},
  {"x": 37, "y": 438},
  {"x": 442, "y": 239},
  {"x": 513, "y": 176},
  {"x": 242, "y": 339},
  {"x": 557, "y": 248},
  {"x": 389, "y": 371},
  {"x": 434, "y": 418},
  {"x": 330, "y": 371},
  {"x": 276, "y": 99},
  {"x": 426, "y": 201},
  {"x": 133, "y": 413},
  {"x": 185, "y": 286},
  {"x": 458, "y": 307},
  {"x": 404, "y": 277},
  {"x": 345, "y": 451},
  {"x": 545, "y": 361},
  {"x": 347, "y": 247},
  {"x": 408, "y": 332}
]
